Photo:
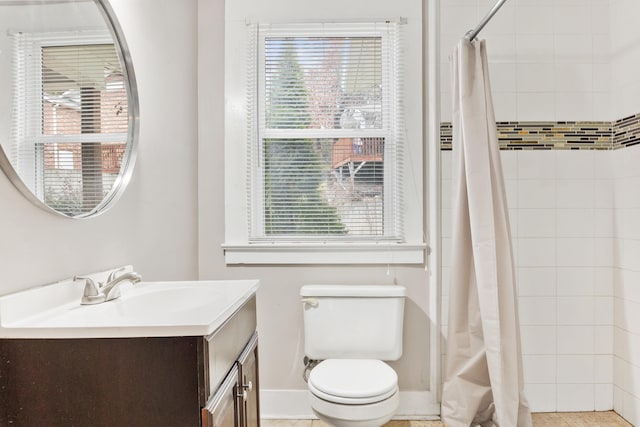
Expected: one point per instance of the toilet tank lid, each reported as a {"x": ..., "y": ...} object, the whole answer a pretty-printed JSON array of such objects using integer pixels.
[{"x": 371, "y": 291}]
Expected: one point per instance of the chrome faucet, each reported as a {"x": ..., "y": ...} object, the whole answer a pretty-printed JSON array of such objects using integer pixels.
[{"x": 103, "y": 292}]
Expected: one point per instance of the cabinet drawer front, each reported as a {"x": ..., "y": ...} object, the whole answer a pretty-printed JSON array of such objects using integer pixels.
[
  {"x": 222, "y": 409},
  {"x": 225, "y": 344}
]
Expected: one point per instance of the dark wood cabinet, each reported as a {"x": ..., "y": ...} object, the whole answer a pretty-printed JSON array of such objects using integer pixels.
[{"x": 146, "y": 381}]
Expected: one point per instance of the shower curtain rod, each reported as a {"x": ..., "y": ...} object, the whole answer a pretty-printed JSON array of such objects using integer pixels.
[{"x": 471, "y": 34}]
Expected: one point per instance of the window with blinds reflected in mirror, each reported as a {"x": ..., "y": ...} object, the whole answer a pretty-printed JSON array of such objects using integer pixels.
[
  {"x": 70, "y": 118},
  {"x": 326, "y": 133}
]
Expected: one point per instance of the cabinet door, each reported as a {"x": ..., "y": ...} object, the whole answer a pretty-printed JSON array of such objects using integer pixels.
[
  {"x": 222, "y": 410},
  {"x": 248, "y": 363}
]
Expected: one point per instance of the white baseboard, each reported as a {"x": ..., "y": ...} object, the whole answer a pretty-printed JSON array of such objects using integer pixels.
[
  {"x": 294, "y": 405},
  {"x": 285, "y": 405}
]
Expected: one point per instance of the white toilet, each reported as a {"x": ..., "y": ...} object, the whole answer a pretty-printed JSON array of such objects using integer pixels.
[{"x": 351, "y": 330}]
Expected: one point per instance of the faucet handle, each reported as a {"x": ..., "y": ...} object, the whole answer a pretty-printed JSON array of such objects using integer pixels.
[
  {"x": 90, "y": 287},
  {"x": 91, "y": 293}
]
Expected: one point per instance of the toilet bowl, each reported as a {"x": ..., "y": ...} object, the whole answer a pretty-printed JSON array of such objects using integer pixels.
[
  {"x": 353, "y": 392},
  {"x": 350, "y": 330}
]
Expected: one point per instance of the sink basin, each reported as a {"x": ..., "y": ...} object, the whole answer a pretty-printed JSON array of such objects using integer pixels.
[
  {"x": 144, "y": 309},
  {"x": 171, "y": 299},
  {"x": 146, "y": 302}
]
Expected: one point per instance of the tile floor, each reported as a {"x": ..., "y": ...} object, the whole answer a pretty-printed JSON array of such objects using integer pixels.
[{"x": 553, "y": 419}]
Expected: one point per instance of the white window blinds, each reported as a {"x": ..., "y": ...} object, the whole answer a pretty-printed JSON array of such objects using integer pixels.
[
  {"x": 326, "y": 137},
  {"x": 70, "y": 117}
]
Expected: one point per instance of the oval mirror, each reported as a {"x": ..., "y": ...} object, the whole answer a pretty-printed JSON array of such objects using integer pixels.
[{"x": 68, "y": 104}]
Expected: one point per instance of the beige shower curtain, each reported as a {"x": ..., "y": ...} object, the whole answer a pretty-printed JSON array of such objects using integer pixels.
[{"x": 483, "y": 374}]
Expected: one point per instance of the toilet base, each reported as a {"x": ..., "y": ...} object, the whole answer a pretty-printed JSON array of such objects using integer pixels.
[{"x": 342, "y": 415}]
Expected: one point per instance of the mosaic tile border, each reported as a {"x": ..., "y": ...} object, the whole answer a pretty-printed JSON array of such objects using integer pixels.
[
  {"x": 626, "y": 132},
  {"x": 560, "y": 135},
  {"x": 545, "y": 135}
]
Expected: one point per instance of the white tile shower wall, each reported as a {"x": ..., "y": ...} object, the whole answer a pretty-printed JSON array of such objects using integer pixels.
[
  {"x": 625, "y": 57},
  {"x": 626, "y": 305},
  {"x": 548, "y": 59},
  {"x": 574, "y": 236},
  {"x": 564, "y": 273}
]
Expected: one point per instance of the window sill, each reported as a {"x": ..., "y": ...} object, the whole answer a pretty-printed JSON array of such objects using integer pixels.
[{"x": 346, "y": 253}]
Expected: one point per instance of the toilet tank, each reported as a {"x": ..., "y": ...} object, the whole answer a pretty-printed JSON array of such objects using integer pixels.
[{"x": 353, "y": 321}]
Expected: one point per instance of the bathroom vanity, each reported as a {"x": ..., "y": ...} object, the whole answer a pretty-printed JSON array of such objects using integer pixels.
[{"x": 189, "y": 360}]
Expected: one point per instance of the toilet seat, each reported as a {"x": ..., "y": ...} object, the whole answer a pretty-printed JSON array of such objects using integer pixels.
[{"x": 353, "y": 381}]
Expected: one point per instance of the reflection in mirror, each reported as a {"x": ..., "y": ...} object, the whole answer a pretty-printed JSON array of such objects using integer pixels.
[{"x": 68, "y": 107}]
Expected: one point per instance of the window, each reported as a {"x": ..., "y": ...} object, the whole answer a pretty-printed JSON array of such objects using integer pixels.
[
  {"x": 70, "y": 117},
  {"x": 323, "y": 139},
  {"x": 325, "y": 160}
]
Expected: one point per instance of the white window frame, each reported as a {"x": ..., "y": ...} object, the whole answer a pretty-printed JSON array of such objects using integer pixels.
[
  {"x": 388, "y": 131},
  {"x": 239, "y": 246}
]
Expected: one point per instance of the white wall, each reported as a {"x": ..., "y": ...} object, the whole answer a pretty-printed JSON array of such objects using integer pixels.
[{"x": 154, "y": 225}]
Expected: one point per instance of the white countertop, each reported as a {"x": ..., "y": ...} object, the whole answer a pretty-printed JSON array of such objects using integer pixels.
[{"x": 146, "y": 309}]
